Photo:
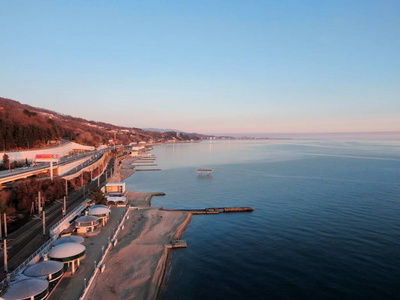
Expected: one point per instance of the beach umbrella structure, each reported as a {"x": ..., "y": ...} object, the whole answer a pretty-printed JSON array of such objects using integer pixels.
[
  {"x": 103, "y": 213},
  {"x": 53, "y": 270},
  {"x": 99, "y": 205},
  {"x": 69, "y": 239},
  {"x": 86, "y": 224},
  {"x": 27, "y": 289},
  {"x": 69, "y": 254}
]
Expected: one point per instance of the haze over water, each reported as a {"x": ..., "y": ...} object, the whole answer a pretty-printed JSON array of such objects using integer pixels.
[{"x": 325, "y": 223}]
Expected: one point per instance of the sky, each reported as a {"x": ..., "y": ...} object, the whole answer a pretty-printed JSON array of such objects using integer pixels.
[{"x": 212, "y": 66}]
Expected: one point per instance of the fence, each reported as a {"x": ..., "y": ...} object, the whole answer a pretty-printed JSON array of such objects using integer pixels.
[
  {"x": 97, "y": 268},
  {"x": 56, "y": 229},
  {"x": 35, "y": 257}
]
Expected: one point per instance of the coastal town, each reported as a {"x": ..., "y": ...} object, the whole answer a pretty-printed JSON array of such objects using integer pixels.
[{"x": 158, "y": 150}]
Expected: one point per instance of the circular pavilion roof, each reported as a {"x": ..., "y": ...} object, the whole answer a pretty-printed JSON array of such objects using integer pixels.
[
  {"x": 85, "y": 219},
  {"x": 26, "y": 288},
  {"x": 69, "y": 239},
  {"x": 66, "y": 250},
  {"x": 99, "y": 205},
  {"x": 99, "y": 210},
  {"x": 43, "y": 268}
]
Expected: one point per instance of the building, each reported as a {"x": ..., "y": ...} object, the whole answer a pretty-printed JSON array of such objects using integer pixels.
[
  {"x": 52, "y": 270},
  {"x": 115, "y": 188},
  {"x": 27, "y": 289},
  {"x": 100, "y": 211},
  {"x": 86, "y": 224},
  {"x": 69, "y": 239},
  {"x": 70, "y": 254},
  {"x": 115, "y": 193}
]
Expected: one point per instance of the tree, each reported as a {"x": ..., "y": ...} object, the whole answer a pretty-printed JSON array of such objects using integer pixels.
[
  {"x": 97, "y": 197},
  {"x": 6, "y": 161}
]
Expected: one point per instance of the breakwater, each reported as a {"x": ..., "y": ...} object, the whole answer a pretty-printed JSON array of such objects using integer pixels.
[{"x": 213, "y": 210}]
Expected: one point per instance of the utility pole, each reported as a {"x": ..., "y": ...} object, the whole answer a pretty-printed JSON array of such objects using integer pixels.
[
  {"x": 5, "y": 225},
  {"x": 44, "y": 222},
  {"x": 66, "y": 187},
  {"x": 5, "y": 255},
  {"x": 51, "y": 170},
  {"x": 39, "y": 203},
  {"x": 65, "y": 206}
]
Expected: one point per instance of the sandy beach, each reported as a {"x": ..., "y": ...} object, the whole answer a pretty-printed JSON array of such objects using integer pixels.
[
  {"x": 125, "y": 170},
  {"x": 135, "y": 267}
]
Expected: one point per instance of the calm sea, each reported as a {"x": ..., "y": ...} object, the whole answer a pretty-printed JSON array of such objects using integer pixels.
[{"x": 326, "y": 220}]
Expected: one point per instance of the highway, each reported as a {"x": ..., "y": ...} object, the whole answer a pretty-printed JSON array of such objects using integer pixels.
[{"x": 21, "y": 173}]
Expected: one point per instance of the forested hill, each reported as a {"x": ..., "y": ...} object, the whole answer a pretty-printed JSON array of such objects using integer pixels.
[{"x": 23, "y": 126}]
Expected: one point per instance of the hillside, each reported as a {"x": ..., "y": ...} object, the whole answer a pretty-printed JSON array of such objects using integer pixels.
[{"x": 23, "y": 126}]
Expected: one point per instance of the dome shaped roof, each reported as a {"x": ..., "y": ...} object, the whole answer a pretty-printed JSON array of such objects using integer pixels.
[
  {"x": 85, "y": 219},
  {"x": 99, "y": 210},
  {"x": 69, "y": 239},
  {"x": 43, "y": 268},
  {"x": 66, "y": 250},
  {"x": 26, "y": 288},
  {"x": 99, "y": 205}
]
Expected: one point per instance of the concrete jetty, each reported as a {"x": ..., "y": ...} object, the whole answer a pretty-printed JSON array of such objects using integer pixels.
[
  {"x": 176, "y": 244},
  {"x": 214, "y": 210}
]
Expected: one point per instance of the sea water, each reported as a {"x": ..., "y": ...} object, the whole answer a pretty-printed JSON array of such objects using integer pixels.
[{"x": 325, "y": 225}]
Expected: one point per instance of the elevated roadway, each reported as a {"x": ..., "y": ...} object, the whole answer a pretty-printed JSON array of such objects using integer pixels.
[{"x": 65, "y": 165}]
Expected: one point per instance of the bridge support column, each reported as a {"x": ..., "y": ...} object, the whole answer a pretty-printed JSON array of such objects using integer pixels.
[{"x": 51, "y": 171}]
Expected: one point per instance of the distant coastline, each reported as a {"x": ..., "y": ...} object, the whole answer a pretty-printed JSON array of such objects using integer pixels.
[{"x": 315, "y": 135}]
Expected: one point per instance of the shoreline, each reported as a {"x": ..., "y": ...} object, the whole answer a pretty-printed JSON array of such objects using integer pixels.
[
  {"x": 180, "y": 231},
  {"x": 136, "y": 267}
]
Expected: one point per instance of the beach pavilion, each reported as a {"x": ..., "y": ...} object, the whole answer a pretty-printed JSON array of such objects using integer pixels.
[
  {"x": 100, "y": 211},
  {"x": 86, "y": 224},
  {"x": 69, "y": 239},
  {"x": 27, "y": 289},
  {"x": 69, "y": 254},
  {"x": 52, "y": 270},
  {"x": 115, "y": 188}
]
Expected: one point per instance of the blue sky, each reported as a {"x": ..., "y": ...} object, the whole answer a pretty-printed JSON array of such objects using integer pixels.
[{"x": 207, "y": 66}]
